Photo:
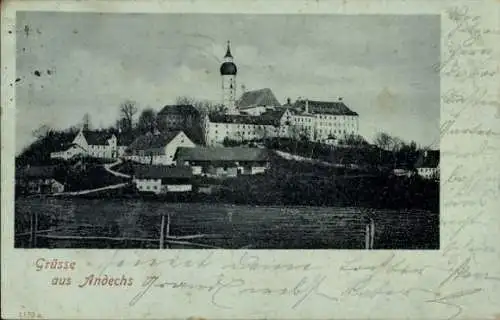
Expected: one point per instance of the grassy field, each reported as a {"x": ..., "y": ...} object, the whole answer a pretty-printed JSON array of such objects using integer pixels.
[{"x": 229, "y": 226}]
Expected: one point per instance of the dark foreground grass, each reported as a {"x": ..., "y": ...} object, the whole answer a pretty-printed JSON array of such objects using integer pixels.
[{"x": 229, "y": 226}]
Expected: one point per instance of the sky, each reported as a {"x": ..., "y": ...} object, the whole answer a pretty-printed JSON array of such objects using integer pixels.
[{"x": 381, "y": 65}]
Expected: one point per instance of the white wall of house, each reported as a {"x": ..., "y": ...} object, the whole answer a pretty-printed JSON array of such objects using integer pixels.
[
  {"x": 156, "y": 186},
  {"x": 148, "y": 185},
  {"x": 67, "y": 154},
  {"x": 178, "y": 187},
  {"x": 258, "y": 169},
  {"x": 428, "y": 173},
  {"x": 181, "y": 140}
]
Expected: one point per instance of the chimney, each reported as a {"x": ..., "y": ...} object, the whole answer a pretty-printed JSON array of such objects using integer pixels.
[
  {"x": 288, "y": 101},
  {"x": 307, "y": 106},
  {"x": 341, "y": 99}
]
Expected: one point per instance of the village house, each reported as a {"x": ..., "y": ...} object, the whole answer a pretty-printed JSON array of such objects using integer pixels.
[
  {"x": 97, "y": 144},
  {"x": 160, "y": 179},
  {"x": 38, "y": 180},
  {"x": 427, "y": 164},
  {"x": 223, "y": 162},
  {"x": 157, "y": 148},
  {"x": 178, "y": 117}
]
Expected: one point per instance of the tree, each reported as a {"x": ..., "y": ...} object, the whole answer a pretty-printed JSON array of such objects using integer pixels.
[
  {"x": 204, "y": 106},
  {"x": 42, "y": 131},
  {"x": 383, "y": 140},
  {"x": 147, "y": 121},
  {"x": 128, "y": 109},
  {"x": 353, "y": 140}
]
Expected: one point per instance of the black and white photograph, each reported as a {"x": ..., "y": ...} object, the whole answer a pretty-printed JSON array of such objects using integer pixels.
[{"x": 227, "y": 131}]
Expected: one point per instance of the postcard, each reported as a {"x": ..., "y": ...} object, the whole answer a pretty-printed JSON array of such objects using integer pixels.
[{"x": 250, "y": 160}]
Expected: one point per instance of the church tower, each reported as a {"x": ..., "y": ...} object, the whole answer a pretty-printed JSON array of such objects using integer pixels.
[{"x": 228, "y": 73}]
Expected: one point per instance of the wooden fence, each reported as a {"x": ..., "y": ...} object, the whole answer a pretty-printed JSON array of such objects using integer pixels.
[{"x": 164, "y": 241}]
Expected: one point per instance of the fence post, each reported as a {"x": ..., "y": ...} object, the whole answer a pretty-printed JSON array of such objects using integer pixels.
[
  {"x": 162, "y": 230},
  {"x": 35, "y": 229},
  {"x": 32, "y": 229},
  {"x": 370, "y": 234},
  {"x": 168, "y": 227}
]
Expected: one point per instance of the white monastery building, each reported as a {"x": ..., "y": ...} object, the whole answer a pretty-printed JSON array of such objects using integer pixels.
[{"x": 258, "y": 114}]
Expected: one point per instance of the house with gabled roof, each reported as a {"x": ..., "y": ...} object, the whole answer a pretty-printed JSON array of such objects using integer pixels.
[
  {"x": 159, "y": 179},
  {"x": 97, "y": 144},
  {"x": 157, "y": 148},
  {"x": 38, "y": 180}
]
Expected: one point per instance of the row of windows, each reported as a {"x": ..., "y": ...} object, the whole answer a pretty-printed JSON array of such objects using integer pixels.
[
  {"x": 98, "y": 147},
  {"x": 147, "y": 187},
  {"x": 335, "y": 118}
]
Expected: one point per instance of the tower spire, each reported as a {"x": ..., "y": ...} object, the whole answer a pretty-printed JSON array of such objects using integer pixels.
[{"x": 228, "y": 51}]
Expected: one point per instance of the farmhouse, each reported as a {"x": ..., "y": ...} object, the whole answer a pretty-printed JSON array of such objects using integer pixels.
[
  {"x": 39, "y": 180},
  {"x": 158, "y": 148},
  {"x": 98, "y": 144},
  {"x": 223, "y": 162},
  {"x": 159, "y": 179}
]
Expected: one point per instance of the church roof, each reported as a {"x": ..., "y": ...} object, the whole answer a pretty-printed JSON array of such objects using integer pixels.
[
  {"x": 325, "y": 107},
  {"x": 261, "y": 97}
]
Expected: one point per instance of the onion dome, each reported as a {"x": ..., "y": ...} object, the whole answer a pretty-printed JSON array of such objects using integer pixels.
[{"x": 228, "y": 67}]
